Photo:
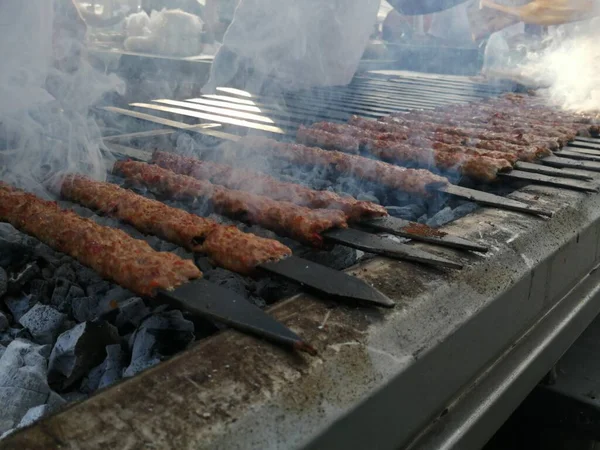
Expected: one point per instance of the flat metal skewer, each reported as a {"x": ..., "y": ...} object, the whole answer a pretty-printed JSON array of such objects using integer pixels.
[
  {"x": 576, "y": 185},
  {"x": 222, "y": 305}
]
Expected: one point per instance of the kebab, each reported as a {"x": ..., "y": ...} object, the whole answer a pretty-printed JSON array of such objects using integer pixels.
[
  {"x": 227, "y": 246},
  {"x": 414, "y": 181},
  {"x": 314, "y": 227},
  {"x": 476, "y": 167},
  {"x": 460, "y": 144},
  {"x": 261, "y": 184},
  {"x": 542, "y": 142},
  {"x": 364, "y": 213},
  {"x": 369, "y": 139},
  {"x": 133, "y": 264}
]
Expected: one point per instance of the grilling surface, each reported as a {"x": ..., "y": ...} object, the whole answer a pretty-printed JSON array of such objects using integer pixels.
[{"x": 414, "y": 190}]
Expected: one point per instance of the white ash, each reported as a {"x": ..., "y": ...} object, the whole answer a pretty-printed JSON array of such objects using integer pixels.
[
  {"x": 159, "y": 336},
  {"x": 19, "y": 305},
  {"x": 23, "y": 384},
  {"x": 78, "y": 350},
  {"x": 43, "y": 322}
]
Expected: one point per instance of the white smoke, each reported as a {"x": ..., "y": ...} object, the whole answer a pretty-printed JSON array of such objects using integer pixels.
[
  {"x": 569, "y": 65},
  {"x": 47, "y": 128}
]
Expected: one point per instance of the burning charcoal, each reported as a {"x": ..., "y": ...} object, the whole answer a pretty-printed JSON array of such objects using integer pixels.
[
  {"x": 47, "y": 273},
  {"x": 409, "y": 212},
  {"x": 23, "y": 382},
  {"x": 78, "y": 350},
  {"x": 441, "y": 218},
  {"x": 131, "y": 312},
  {"x": 20, "y": 333},
  {"x": 19, "y": 305},
  {"x": 65, "y": 272},
  {"x": 108, "y": 372},
  {"x": 368, "y": 197},
  {"x": 74, "y": 396},
  {"x": 98, "y": 288},
  {"x": 4, "y": 323},
  {"x": 16, "y": 283},
  {"x": 159, "y": 335},
  {"x": 2, "y": 350},
  {"x": 154, "y": 242},
  {"x": 43, "y": 322},
  {"x": 39, "y": 290}
]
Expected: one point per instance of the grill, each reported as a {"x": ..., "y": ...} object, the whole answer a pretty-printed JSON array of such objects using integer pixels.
[{"x": 415, "y": 376}]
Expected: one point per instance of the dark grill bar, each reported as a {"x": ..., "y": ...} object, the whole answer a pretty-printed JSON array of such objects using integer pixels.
[{"x": 441, "y": 370}]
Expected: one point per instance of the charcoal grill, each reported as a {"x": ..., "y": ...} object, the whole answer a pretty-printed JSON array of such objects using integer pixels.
[{"x": 442, "y": 370}]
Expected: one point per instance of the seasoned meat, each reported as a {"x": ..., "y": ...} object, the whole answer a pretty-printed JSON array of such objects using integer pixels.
[
  {"x": 228, "y": 247},
  {"x": 112, "y": 253},
  {"x": 303, "y": 224},
  {"x": 261, "y": 184},
  {"x": 414, "y": 181},
  {"x": 484, "y": 168}
]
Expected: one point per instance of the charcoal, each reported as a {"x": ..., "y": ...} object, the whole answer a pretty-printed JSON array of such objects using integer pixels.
[
  {"x": 368, "y": 197},
  {"x": 409, "y": 212},
  {"x": 85, "y": 275},
  {"x": 78, "y": 350},
  {"x": 3, "y": 282},
  {"x": 442, "y": 217},
  {"x": 203, "y": 263},
  {"x": 43, "y": 322},
  {"x": 108, "y": 372},
  {"x": 59, "y": 295},
  {"x": 85, "y": 308},
  {"x": 74, "y": 396},
  {"x": 46, "y": 254},
  {"x": 4, "y": 323},
  {"x": 131, "y": 312},
  {"x": 33, "y": 415},
  {"x": 47, "y": 273},
  {"x": 464, "y": 209},
  {"x": 74, "y": 292},
  {"x": 339, "y": 257},
  {"x": 271, "y": 289},
  {"x": 23, "y": 382},
  {"x": 20, "y": 333},
  {"x": 17, "y": 282},
  {"x": 160, "y": 335},
  {"x": 154, "y": 242},
  {"x": 19, "y": 305},
  {"x": 39, "y": 290},
  {"x": 66, "y": 272},
  {"x": 5, "y": 339},
  {"x": 98, "y": 288},
  {"x": 229, "y": 280},
  {"x": 116, "y": 296},
  {"x": 14, "y": 248}
]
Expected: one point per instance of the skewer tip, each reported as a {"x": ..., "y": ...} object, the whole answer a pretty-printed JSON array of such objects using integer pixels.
[{"x": 305, "y": 347}]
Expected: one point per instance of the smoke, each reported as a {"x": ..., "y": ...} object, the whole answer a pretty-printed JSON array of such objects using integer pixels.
[
  {"x": 569, "y": 66},
  {"x": 47, "y": 128}
]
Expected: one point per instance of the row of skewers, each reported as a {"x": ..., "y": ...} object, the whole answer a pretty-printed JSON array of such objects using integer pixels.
[{"x": 475, "y": 140}]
